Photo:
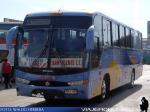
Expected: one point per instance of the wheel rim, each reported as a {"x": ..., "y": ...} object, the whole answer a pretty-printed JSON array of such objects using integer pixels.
[{"x": 104, "y": 89}]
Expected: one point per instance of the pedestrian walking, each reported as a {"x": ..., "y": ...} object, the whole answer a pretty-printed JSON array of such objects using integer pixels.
[{"x": 6, "y": 72}]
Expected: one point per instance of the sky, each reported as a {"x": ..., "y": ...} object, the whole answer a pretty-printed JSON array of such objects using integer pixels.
[{"x": 133, "y": 13}]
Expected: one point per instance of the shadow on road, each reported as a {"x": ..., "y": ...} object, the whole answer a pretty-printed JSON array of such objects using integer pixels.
[
  {"x": 115, "y": 97},
  {"x": 119, "y": 95}
]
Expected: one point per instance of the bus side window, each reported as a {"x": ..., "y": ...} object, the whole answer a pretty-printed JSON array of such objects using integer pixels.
[
  {"x": 106, "y": 32},
  {"x": 122, "y": 36},
  {"x": 133, "y": 38},
  {"x": 138, "y": 40},
  {"x": 115, "y": 34},
  {"x": 128, "y": 37}
]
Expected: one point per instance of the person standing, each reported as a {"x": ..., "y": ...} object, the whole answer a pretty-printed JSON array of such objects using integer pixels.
[{"x": 6, "y": 71}]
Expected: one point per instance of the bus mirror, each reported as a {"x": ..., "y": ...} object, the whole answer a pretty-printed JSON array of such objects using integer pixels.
[
  {"x": 12, "y": 35},
  {"x": 20, "y": 29},
  {"x": 90, "y": 38}
]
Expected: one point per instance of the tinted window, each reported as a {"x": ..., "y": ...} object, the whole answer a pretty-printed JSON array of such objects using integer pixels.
[
  {"x": 128, "y": 37},
  {"x": 122, "y": 36},
  {"x": 81, "y": 22},
  {"x": 140, "y": 39},
  {"x": 132, "y": 38},
  {"x": 115, "y": 34},
  {"x": 136, "y": 40},
  {"x": 106, "y": 32}
]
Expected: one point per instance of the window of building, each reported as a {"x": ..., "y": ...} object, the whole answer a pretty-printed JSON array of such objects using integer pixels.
[
  {"x": 2, "y": 34},
  {"x": 2, "y": 37}
]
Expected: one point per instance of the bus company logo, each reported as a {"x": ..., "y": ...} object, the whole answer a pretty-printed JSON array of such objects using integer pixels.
[
  {"x": 47, "y": 83},
  {"x": 49, "y": 78}
]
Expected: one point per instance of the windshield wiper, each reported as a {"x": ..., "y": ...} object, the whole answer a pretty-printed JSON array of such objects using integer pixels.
[{"x": 43, "y": 51}]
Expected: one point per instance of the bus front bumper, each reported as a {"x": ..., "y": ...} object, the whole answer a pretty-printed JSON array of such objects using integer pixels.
[{"x": 76, "y": 92}]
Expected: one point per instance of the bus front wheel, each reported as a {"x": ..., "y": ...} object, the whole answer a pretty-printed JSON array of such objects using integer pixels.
[{"x": 104, "y": 88}]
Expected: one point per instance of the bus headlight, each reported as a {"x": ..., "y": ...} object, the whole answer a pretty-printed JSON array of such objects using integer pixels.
[
  {"x": 20, "y": 80},
  {"x": 80, "y": 82}
]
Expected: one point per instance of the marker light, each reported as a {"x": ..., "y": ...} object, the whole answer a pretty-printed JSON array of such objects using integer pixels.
[
  {"x": 20, "y": 80},
  {"x": 57, "y": 12}
]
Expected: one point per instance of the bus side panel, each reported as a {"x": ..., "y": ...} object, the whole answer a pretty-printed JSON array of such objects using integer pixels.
[
  {"x": 135, "y": 57},
  {"x": 111, "y": 66},
  {"x": 95, "y": 79},
  {"x": 123, "y": 68},
  {"x": 118, "y": 63},
  {"x": 129, "y": 61},
  {"x": 96, "y": 75}
]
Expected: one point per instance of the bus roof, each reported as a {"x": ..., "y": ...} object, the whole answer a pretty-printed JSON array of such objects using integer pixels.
[
  {"x": 59, "y": 13},
  {"x": 69, "y": 13}
]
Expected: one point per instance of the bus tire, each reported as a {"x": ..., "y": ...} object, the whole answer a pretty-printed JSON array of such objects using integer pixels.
[
  {"x": 132, "y": 79},
  {"x": 49, "y": 99},
  {"x": 105, "y": 88}
]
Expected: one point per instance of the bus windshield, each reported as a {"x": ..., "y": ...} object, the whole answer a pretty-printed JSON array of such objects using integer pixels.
[
  {"x": 58, "y": 43},
  {"x": 61, "y": 45},
  {"x": 58, "y": 40},
  {"x": 36, "y": 40}
]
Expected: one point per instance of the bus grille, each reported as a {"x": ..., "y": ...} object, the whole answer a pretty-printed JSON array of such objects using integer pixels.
[{"x": 48, "y": 83}]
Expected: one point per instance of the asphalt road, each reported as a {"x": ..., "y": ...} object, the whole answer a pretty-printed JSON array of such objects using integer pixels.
[{"x": 123, "y": 99}]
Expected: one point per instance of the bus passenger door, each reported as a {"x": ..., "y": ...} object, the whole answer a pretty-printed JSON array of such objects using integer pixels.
[
  {"x": 92, "y": 46},
  {"x": 97, "y": 40}
]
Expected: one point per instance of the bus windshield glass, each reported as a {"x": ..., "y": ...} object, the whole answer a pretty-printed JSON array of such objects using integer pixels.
[{"x": 61, "y": 47}]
